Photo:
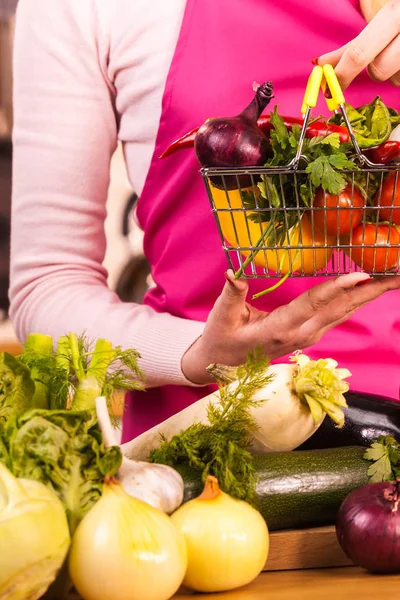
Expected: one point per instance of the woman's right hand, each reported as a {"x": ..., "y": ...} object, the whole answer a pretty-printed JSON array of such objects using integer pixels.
[{"x": 234, "y": 327}]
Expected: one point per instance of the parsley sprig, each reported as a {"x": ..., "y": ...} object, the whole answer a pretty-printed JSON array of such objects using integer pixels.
[
  {"x": 384, "y": 454},
  {"x": 327, "y": 158}
]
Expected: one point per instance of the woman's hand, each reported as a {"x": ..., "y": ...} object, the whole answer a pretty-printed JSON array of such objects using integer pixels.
[
  {"x": 234, "y": 327},
  {"x": 377, "y": 48}
]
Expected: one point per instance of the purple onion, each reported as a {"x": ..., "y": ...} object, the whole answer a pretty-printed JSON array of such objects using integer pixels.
[
  {"x": 368, "y": 527},
  {"x": 235, "y": 142}
]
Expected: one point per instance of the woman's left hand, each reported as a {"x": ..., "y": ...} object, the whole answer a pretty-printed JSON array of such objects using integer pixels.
[{"x": 376, "y": 48}]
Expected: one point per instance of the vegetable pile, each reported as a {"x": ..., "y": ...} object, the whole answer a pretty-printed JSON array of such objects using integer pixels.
[
  {"x": 259, "y": 408},
  {"x": 73, "y": 508},
  {"x": 51, "y": 442},
  {"x": 48, "y": 424},
  {"x": 329, "y": 202},
  {"x": 65, "y": 484}
]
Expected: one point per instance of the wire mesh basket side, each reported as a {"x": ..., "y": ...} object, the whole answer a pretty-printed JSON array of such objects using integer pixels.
[{"x": 271, "y": 225}]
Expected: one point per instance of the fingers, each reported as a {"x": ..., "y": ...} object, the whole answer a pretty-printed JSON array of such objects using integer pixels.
[
  {"x": 332, "y": 58},
  {"x": 231, "y": 305},
  {"x": 370, "y": 43},
  {"x": 309, "y": 304},
  {"x": 370, "y": 8},
  {"x": 386, "y": 64},
  {"x": 341, "y": 309},
  {"x": 396, "y": 79}
]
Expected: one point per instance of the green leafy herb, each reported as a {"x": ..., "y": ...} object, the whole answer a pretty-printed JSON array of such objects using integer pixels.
[
  {"x": 99, "y": 370},
  {"x": 327, "y": 159},
  {"x": 49, "y": 377},
  {"x": 63, "y": 450},
  {"x": 220, "y": 447},
  {"x": 385, "y": 456},
  {"x": 372, "y": 123},
  {"x": 16, "y": 387},
  {"x": 70, "y": 377}
]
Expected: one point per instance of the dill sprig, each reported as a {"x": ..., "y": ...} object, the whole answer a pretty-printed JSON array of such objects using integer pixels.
[{"x": 221, "y": 446}]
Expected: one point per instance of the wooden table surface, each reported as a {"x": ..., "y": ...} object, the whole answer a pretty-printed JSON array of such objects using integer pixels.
[{"x": 345, "y": 583}]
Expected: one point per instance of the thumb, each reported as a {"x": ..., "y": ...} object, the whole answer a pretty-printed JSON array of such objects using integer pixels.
[{"x": 232, "y": 301}]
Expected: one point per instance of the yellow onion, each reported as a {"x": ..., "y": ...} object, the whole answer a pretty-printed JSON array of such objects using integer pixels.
[
  {"x": 34, "y": 537},
  {"x": 227, "y": 540},
  {"x": 125, "y": 549}
]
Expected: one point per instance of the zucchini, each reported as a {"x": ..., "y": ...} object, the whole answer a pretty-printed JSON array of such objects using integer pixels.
[
  {"x": 367, "y": 417},
  {"x": 302, "y": 488}
]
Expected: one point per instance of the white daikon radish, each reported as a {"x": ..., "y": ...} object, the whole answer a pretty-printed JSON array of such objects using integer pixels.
[
  {"x": 296, "y": 401},
  {"x": 395, "y": 135}
]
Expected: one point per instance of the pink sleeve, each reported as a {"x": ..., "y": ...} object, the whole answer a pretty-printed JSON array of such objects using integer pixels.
[{"x": 65, "y": 134}]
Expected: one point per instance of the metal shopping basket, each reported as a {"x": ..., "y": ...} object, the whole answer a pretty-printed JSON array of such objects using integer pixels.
[{"x": 279, "y": 235}]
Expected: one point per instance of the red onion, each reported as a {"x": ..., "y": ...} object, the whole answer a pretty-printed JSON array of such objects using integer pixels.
[
  {"x": 234, "y": 142},
  {"x": 368, "y": 527}
]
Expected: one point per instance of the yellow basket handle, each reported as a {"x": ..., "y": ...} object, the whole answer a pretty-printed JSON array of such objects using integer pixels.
[
  {"x": 312, "y": 90},
  {"x": 331, "y": 82},
  {"x": 325, "y": 78}
]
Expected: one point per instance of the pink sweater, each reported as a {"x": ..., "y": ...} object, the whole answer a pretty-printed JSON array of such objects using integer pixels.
[{"x": 86, "y": 73}]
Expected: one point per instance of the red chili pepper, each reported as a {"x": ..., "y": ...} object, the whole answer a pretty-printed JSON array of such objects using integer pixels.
[
  {"x": 385, "y": 153},
  {"x": 316, "y": 129}
]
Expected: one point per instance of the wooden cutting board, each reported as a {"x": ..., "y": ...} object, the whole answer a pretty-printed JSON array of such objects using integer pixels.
[{"x": 305, "y": 549}]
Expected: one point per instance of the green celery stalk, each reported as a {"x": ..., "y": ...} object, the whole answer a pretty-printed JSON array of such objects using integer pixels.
[
  {"x": 41, "y": 347},
  {"x": 91, "y": 381},
  {"x": 63, "y": 353}
]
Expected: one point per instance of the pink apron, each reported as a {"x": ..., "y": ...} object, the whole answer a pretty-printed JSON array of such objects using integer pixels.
[{"x": 223, "y": 46}]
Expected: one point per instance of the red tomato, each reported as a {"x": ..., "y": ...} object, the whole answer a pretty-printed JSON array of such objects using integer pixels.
[
  {"x": 389, "y": 197},
  {"x": 339, "y": 216},
  {"x": 380, "y": 259}
]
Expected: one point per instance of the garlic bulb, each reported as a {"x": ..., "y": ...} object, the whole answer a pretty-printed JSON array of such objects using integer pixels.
[
  {"x": 158, "y": 485},
  {"x": 125, "y": 549},
  {"x": 34, "y": 537},
  {"x": 227, "y": 540}
]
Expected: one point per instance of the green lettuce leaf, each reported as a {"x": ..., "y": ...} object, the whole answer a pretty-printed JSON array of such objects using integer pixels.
[
  {"x": 372, "y": 123},
  {"x": 63, "y": 450},
  {"x": 16, "y": 388}
]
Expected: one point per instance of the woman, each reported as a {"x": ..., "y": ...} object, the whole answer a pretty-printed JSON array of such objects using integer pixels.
[{"x": 87, "y": 73}]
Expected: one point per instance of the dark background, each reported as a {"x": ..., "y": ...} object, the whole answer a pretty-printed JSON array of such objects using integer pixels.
[
  {"x": 5, "y": 209},
  {"x": 7, "y": 10}
]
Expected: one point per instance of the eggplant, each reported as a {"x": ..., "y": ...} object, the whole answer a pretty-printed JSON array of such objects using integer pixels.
[{"x": 367, "y": 417}]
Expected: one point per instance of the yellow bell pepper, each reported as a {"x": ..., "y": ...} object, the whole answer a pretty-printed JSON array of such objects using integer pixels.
[{"x": 240, "y": 232}]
